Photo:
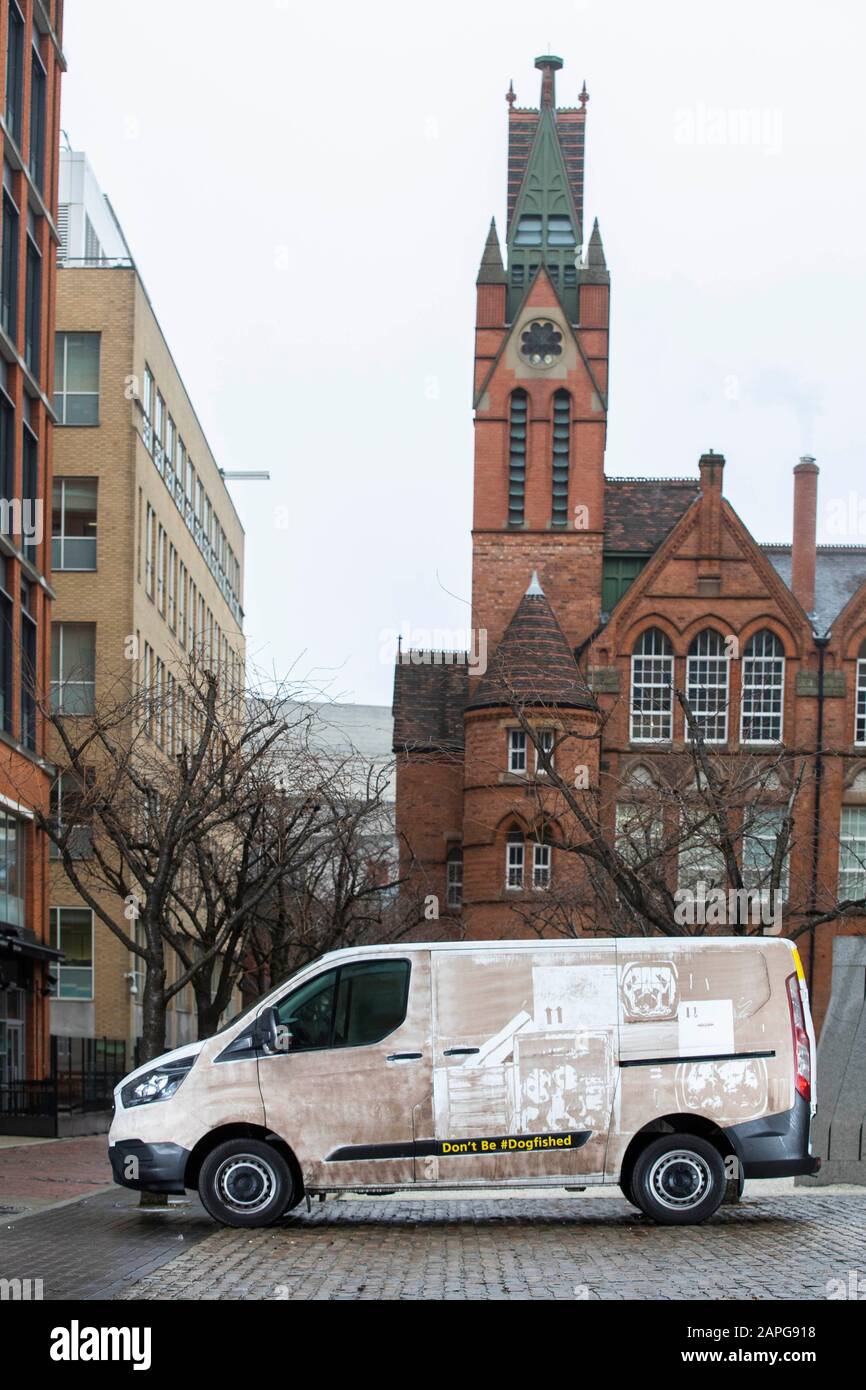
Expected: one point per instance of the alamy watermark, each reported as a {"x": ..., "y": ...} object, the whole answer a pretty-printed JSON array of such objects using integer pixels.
[
  {"x": 440, "y": 647},
  {"x": 22, "y": 517},
  {"x": 702, "y": 906},
  {"x": 731, "y": 127}
]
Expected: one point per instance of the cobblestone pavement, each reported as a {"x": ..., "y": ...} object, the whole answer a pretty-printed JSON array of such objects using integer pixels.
[
  {"x": 96, "y": 1247},
  {"x": 514, "y": 1248}
]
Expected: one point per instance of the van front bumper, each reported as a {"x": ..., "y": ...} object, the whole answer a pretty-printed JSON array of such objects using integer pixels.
[
  {"x": 148, "y": 1167},
  {"x": 776, "y": 1146}
]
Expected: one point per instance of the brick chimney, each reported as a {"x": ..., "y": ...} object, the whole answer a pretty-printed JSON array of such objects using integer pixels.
[
  {"x": 712, "y": 468},
  {"x": 805, "y": 519}
]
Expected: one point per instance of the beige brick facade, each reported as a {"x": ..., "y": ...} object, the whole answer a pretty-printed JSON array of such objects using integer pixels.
[{"x": 131, "y": 599}]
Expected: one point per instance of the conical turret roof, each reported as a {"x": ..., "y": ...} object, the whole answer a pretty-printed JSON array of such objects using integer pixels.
[{"x": 533, "y": 664}]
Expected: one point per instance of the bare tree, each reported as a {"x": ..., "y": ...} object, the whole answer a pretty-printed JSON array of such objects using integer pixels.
[
  {"x": 346, "y": 889},
  {"x": 159, "y": 792},
  {"x": 685, "y": 842}
]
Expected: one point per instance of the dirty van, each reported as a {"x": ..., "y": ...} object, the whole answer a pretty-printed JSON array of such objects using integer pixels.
[{"x": 669, "y": 1066}]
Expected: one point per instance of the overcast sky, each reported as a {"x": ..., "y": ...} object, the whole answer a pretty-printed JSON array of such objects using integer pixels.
[{"x": 306, "y": 190}]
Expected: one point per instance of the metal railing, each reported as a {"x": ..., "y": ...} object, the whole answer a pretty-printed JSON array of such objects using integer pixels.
[{"x": 84, "y": 1073}]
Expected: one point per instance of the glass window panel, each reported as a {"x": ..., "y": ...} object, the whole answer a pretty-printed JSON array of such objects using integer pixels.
[
  {"x": 308, "y": 1012},
  {"x": 82, "y": 362},
  {"x": 371, "y": 1001}
]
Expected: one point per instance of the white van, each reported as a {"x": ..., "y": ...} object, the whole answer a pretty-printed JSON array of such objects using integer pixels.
[{"x": 664, "y": 1065}]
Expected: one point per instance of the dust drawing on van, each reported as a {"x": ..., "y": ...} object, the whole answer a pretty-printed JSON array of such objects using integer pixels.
[
  {"x": 549, "y": 1066},
  {"x": 737, "y": 1088},
  {"x": 649, "y": 990}
]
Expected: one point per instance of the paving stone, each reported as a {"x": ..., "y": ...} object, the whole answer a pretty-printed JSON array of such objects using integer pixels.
[{"x": 443, "y": 1250}]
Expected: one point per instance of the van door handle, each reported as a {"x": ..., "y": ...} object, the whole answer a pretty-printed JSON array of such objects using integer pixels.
[
  {"x": 460, "y": 1051},
  {"x": 405, "y": 1057}
]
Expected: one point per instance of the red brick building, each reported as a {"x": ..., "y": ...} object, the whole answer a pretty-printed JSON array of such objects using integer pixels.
[
  {"x": 599, "y": 597},
  {"x": 31, "y": 63}
]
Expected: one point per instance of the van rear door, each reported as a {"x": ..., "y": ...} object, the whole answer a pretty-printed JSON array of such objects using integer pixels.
[{"x": 352, "y": 1091}]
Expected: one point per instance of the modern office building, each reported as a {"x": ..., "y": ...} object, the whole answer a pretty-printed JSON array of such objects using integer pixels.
[
  {"x": 31, "y": 64},
  {"x": 147, "y": 553}
]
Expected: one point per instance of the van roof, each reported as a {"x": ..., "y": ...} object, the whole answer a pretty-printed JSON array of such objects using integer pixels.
[{"x": 642, "y": 943}]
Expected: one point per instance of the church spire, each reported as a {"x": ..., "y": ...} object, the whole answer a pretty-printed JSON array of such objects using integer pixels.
[
  {"x": 594, "y": 270},
  {"x": 491, "y": 270}
]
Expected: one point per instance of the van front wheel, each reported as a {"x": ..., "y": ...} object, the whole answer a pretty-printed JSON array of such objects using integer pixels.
[
  {"x": 678, "y": 1179},
  {"x": 245, "y": 1182}
]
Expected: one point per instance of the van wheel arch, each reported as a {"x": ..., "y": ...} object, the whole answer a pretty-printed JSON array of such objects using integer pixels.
[
  {"x": 215, "y": 1137},
  {"x": 697, "y": 1125}
]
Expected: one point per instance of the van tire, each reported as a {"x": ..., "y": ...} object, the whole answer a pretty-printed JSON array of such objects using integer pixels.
[
  {"x": 245, "y": 1182},
  {"x": 678, "y": 1179},
  {"x": 625, "y": 1188}
]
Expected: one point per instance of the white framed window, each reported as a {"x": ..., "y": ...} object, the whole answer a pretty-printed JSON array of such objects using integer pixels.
[
  {"x": 707, "y": 670},
  {"x": 150, "y": 527},
  {"x": 71, "y": 816},
  {"x": 454, "y": 877},
  {"x": 852, "y": 853},
  {"x": 147, "y": 408},
  {"x": 170, "y": 437},
  {"x": 181, "y": 603},
  {"x": 763, "y": 827},
  {"x": 515, "y": 859},
  {"x": 73, "y": 524},
  {"x": 639, "y": 831},
  {"x": 860, "y": 717},
  {"x": 73, "y": 668},
  {"x": 544, "y": 741},
  {"x": 159, "y": 702},
  {"x": 516, "y": 750},
  {"x": 652, "y": 688},
  {"x": 172, "y": 586},
  {"x": 159, "y": 432},
  {"x": 700, "y": 859},
  {"x": 72, "y": 933},
  {"x": 160, "y": 572},
  {"x": 169, "y": 713},
  {"x": 763, "y": 692},
  {"x": 541, "y": 864},
  {"x": 76, "y": 378}
]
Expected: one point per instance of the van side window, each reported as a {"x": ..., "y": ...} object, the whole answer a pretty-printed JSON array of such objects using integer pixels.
[
  {"x": 308, "y": 1012},
  {"x": 352, "y": 1006},
  {"x": 371, "y": 1001}
]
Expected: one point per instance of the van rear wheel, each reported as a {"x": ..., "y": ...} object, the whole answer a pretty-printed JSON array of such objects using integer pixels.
[
  {"x": 678, "y": 1179},
  {"x": 245, "y": 1182}
]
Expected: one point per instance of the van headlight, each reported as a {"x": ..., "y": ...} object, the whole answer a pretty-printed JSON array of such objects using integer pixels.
[{"x": 159, "y": 1084}]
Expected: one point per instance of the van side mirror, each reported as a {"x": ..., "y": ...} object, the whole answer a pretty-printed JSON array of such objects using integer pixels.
[{"x": 266, "y": 1029}]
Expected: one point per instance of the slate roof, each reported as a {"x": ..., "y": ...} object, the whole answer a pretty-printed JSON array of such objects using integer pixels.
[
  {"x": 840, "y": 570},
  {"x": 640, "y": 512},
  {"x": 429, "y": 699},
  {"x": 533, "y": 663}
]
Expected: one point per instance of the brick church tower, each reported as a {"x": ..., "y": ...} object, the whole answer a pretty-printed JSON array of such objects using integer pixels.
[
  {"x": 595, "y": 600},
  {"x": 541, "y": 374}
]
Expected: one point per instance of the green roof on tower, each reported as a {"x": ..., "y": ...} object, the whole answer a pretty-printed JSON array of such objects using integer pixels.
[{"x": 545, "y": 189}]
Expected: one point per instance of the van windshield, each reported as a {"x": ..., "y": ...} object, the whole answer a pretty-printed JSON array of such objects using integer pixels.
[{"x": 251, "y": 1008}]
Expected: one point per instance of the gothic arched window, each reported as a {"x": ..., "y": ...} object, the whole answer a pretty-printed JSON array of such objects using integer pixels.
[
  {"x": 561, "y": 452},
  {"x": 454, "y": 876},
  {"x": 515, "y": 859},
  {"x": 761, "y": 702},
  {"x": 517, "y": 458},
  {"x": 652, "y": 688},
  {"x": 707, "y": 684}
]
